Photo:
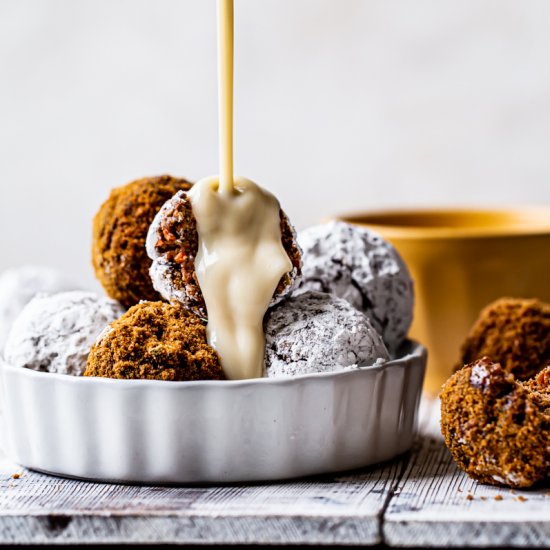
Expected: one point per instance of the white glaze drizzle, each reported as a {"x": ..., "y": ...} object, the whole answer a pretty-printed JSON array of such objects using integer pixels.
[{"x": 239, "y": 264}]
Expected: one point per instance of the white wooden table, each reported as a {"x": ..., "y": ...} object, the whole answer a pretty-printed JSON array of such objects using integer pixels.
[{"x": 418, "y": 500}]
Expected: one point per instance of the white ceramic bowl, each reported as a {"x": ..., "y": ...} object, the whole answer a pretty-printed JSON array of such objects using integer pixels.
[{"x": 212, "y": 431}]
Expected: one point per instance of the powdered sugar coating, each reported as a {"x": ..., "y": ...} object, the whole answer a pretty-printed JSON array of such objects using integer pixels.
[
  {"x": 358, "y": 265},
  {"x": 155, "y": 227},
  {"x": 163, "y": 273},
  {"x": 19, "y": 285},
  {"x": 54, "y": 332},
  {"x": 316, "y": 332},
  {"x": 480, "y": 376}
]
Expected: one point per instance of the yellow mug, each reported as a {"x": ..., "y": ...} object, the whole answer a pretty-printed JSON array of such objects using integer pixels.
[{"x": 460, "y": 261}]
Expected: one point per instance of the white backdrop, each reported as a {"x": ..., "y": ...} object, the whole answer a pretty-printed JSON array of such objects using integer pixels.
[{"x": 340, "y": 104}]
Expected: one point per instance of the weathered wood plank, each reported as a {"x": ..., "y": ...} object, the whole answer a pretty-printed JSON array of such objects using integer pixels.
[
  {"x": 435, "y": 504},
  {"x": 345, "y": 509}
]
